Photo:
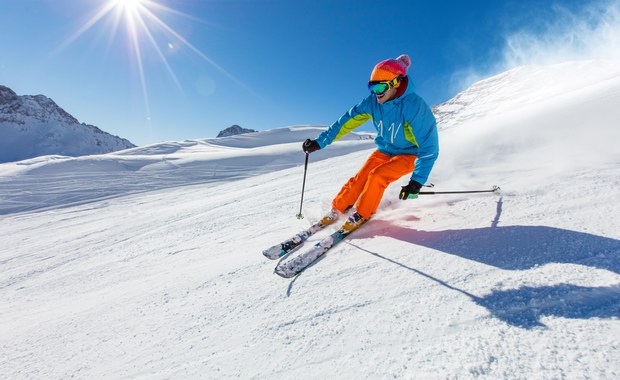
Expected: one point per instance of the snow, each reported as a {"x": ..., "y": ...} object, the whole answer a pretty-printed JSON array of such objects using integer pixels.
[{"x": 146, "y": 263}]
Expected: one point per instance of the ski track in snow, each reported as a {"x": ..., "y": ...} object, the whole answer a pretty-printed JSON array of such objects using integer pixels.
[{"x": 110, "y": 272}]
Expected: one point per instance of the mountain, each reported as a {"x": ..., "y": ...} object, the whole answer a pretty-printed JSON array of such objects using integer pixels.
[
  {"x": 234, "y": 130},
  {"x": 146, "y": 263},
  {"x": 32, "y": 126}
]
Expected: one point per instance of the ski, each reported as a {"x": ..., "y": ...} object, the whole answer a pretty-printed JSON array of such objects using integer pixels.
[
  {"x": 291, "y": 244},
  {"x": 293, "y": 267}
]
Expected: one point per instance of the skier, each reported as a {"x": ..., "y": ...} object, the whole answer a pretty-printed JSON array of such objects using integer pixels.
[{"x": 407, "y": 142}]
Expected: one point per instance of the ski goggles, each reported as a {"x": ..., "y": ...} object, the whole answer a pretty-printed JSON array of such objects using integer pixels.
[{"x": 381, "y": 87}]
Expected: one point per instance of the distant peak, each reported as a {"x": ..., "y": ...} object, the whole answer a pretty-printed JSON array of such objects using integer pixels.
[
  {"x": 234, "y": 130},
  {"x": 39, "y": 107},
  {"x": 34, "y": 125},
  {"x": 50, "y": 106},
  {"x": 7, "y": 95}
]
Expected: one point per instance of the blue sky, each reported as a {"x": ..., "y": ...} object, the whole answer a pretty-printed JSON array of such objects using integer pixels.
[{"x": 205, "y": 64}]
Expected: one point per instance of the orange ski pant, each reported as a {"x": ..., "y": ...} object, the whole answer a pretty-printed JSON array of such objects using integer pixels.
[{"x": 370, "y": 182}]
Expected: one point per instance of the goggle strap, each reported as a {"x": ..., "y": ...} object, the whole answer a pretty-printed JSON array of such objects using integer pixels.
[
  {"x": 390, "y": 84},
  {"x": 395, "y": 81}
]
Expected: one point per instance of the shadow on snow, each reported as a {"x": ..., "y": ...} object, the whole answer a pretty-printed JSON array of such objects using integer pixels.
[{"x": 521, "y": 248}]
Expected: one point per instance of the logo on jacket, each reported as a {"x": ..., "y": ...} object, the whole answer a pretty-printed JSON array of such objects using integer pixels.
[{"x": 392, "y": 130}]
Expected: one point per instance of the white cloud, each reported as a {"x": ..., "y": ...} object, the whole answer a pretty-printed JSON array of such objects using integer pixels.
[{"x": 591, "y": 32}]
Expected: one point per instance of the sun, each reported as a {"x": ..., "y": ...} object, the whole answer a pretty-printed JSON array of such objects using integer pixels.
[
  {"x": 145, "y": 29},
  {"x": 129, "y": 5}
]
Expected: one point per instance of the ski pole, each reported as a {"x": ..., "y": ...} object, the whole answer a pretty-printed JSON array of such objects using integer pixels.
[
  {"x": 492, "y": 190},
  {"x": 303, "y": 187}
]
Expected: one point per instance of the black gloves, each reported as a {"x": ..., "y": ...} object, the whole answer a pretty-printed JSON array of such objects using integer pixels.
[
  {"x": 410, "y": 191},
  {"x": 310, "y": 146}
]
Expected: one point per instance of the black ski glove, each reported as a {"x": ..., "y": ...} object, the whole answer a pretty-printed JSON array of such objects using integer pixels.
[
  {"x": 310, "y": 146},
  {"x": 410, "y": 191}
]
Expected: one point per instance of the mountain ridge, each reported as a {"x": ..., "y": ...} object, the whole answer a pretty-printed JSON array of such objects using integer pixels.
[
  {"x": 34, "y": 125},
  {"x": 234, "y": 130}
]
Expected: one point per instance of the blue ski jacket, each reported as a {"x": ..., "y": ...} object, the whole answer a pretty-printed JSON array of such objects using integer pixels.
[{"x": 405, "y": 125}]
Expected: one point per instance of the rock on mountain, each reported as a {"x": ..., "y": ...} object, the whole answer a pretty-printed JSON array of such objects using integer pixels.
[
  {"x": 234, "y": 130},
  {"x": 32, "y": 126}
]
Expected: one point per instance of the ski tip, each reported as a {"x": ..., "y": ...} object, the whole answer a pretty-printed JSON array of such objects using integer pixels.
[
  {"x": 284, "y": 274},
  {"x": 274, "y": 252},
  {"x": 495, "y": 188}
]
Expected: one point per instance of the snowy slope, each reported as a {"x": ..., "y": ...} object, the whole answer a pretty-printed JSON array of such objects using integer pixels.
[
  {"x": 50, "y": 182},
  {"x": 32, "y": 126},
  {"x": 169, "y": 282}
]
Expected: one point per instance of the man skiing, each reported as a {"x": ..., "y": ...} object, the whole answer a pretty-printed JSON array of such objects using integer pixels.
[{"x": 407, "y": 142}]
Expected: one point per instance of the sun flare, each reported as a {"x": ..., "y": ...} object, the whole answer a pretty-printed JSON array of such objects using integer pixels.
[
  {"x": 144, "y": 30},
  {"x": 127, "y": 4}
]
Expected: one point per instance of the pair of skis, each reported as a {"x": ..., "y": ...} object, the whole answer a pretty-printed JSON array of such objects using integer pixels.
[{"x": 292, "y": 267}]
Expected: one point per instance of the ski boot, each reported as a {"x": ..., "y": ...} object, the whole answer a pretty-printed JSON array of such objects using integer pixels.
[
  {"x": 330, "y": 217},
  {"x": 353, "y": 223}
]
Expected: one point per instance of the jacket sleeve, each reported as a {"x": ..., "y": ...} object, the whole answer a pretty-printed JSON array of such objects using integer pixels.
[
  {"x": 355, "y": 117},
  {"x": 428, "y": 144}
]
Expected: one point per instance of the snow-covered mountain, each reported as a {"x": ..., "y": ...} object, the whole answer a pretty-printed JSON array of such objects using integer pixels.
[
  {"x": 32, "y": 126},
  {"x": 234, "y": 130},
  {"x": 147, "y": 263}
]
